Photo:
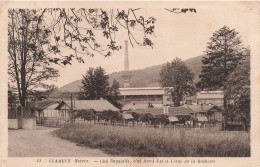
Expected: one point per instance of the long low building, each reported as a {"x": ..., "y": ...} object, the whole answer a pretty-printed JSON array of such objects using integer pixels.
[
  {"x": 211, "y": 97},
  {"x": 149, "y": 94},
  {"x": 54, "y": 113},
  {"x": 211, "y": 112}
]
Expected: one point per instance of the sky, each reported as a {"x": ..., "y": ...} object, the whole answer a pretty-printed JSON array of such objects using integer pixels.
[{"x": 176, "y": 35}]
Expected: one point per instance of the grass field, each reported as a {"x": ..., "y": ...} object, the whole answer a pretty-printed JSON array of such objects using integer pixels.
[{"x": 151, "y": 142}]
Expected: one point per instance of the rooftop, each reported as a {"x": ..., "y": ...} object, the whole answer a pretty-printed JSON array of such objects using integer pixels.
[
  {"x": 172, "y": 111},
  {"x": 142, "y": 91},
  {"x": 127, "y": 116},
  {"x": 201, "y": 108},
  {"x": 210, "y": 95},
  {"x": 40, "y": 105},
  {"x": 97, "y": 105},
  {"x": 175, "y": 111},
  {"x": 142, "y": 88}
]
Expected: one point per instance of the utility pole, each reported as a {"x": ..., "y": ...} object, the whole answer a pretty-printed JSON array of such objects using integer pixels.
[{"x": 71, "y": 102}]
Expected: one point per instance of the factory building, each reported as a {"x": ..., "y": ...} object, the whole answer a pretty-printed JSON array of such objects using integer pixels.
[{"x": 141, "y": 97}]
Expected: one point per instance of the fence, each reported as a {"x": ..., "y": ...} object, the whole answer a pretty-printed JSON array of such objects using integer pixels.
[
  {"x": 53, "y": 121},
  {"x": 149, "y": 125}
]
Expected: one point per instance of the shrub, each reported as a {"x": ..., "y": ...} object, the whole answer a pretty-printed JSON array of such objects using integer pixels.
[
  {"x": 136, "y": 116},
  {"x": 160, "y": 119},
  {"x": 110, "y": 115},
  {"x": 85, "y": 114},
  {"x": 146, "y": 117}
]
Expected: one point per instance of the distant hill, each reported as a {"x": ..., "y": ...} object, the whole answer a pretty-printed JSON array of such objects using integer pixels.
[{"x": 147, "y": 77}]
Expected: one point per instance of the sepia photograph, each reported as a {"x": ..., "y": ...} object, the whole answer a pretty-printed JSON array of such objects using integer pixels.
[{"x": 94, "y": 79}]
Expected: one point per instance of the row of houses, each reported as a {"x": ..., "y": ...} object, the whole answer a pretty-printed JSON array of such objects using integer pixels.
[
  {"x": 142, "y": 98},
  {"x": 204, "y": 113},
  {"x": 55, "y": 113}
]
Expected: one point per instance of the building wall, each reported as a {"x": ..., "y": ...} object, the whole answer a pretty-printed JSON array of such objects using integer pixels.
[
  {"x": 167, "y": 99},
  {"x": 54, "y": 117},
  {"x": 217, "y": 102},
  {"x": 189, "y": 102},
  {"x": 50, "y": 111},
  {"x": 217, "y": 116},
  {"x": 64, "y": 115}
]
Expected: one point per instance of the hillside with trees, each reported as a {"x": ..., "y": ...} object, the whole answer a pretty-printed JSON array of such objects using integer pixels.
[{"x": 147, "y": 77}]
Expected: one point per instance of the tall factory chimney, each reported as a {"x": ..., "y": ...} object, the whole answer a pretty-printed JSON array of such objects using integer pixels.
[
  {"x": 126, "y": 63},
  {"x": 126, "y": 73}
]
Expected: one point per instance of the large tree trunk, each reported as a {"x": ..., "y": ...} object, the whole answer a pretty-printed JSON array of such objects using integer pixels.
[
  {"x": 23, "y": 63},
  {"x": 15, "y": 59}
]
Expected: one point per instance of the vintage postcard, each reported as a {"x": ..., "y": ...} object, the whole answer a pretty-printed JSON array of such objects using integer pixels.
[{"x": 121, "y": 83}]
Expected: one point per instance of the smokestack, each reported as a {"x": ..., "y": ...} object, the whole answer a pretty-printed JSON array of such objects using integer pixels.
[
  {"x": 126, "y": 73},
  {"x": 126, "y": 57}
]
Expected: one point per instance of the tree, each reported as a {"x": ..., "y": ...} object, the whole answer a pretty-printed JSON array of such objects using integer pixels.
[
  {"x": 109, "y": 115},
  {"x": 146, "y": 117},
  {"x": 113, "y": 94},
  {"x": 37, "y": 38},
  {"x": 84, "y": 114},
  {"x": 177, "y": 79},
  {"x": 95, "y": 84},
  {"x": 28, "y": 62},
  {"x": 11, "y": 99},
  {"x": 136, "y": 116},
  {"x": 160, "y": 119},
  {"x": 223, "y": 54},
  {"x": 39, "y": 95},
  {"x": 238, "y": 93}
]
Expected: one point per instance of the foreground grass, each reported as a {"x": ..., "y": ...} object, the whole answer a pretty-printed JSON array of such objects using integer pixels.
[{"x": 150, "y": 142}]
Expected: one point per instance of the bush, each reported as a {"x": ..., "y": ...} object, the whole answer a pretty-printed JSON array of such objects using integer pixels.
[
  {"x": 160, "y": 119},
  {"x": 136, "y": 116},
  {"x": 147, "y": 117},
  {"x": 109, "y": 115},
  {"x": 85, "y": 114}
]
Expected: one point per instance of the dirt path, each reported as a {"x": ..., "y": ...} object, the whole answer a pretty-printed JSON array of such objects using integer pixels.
[{"x": 41, "y": 143}]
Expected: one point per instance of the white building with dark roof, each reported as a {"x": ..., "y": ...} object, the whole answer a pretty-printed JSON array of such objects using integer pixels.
[
  {"x": 97, "y": 105},
  {"x": 211, "y": 97},
  {"x": 139, "y": 98}
]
